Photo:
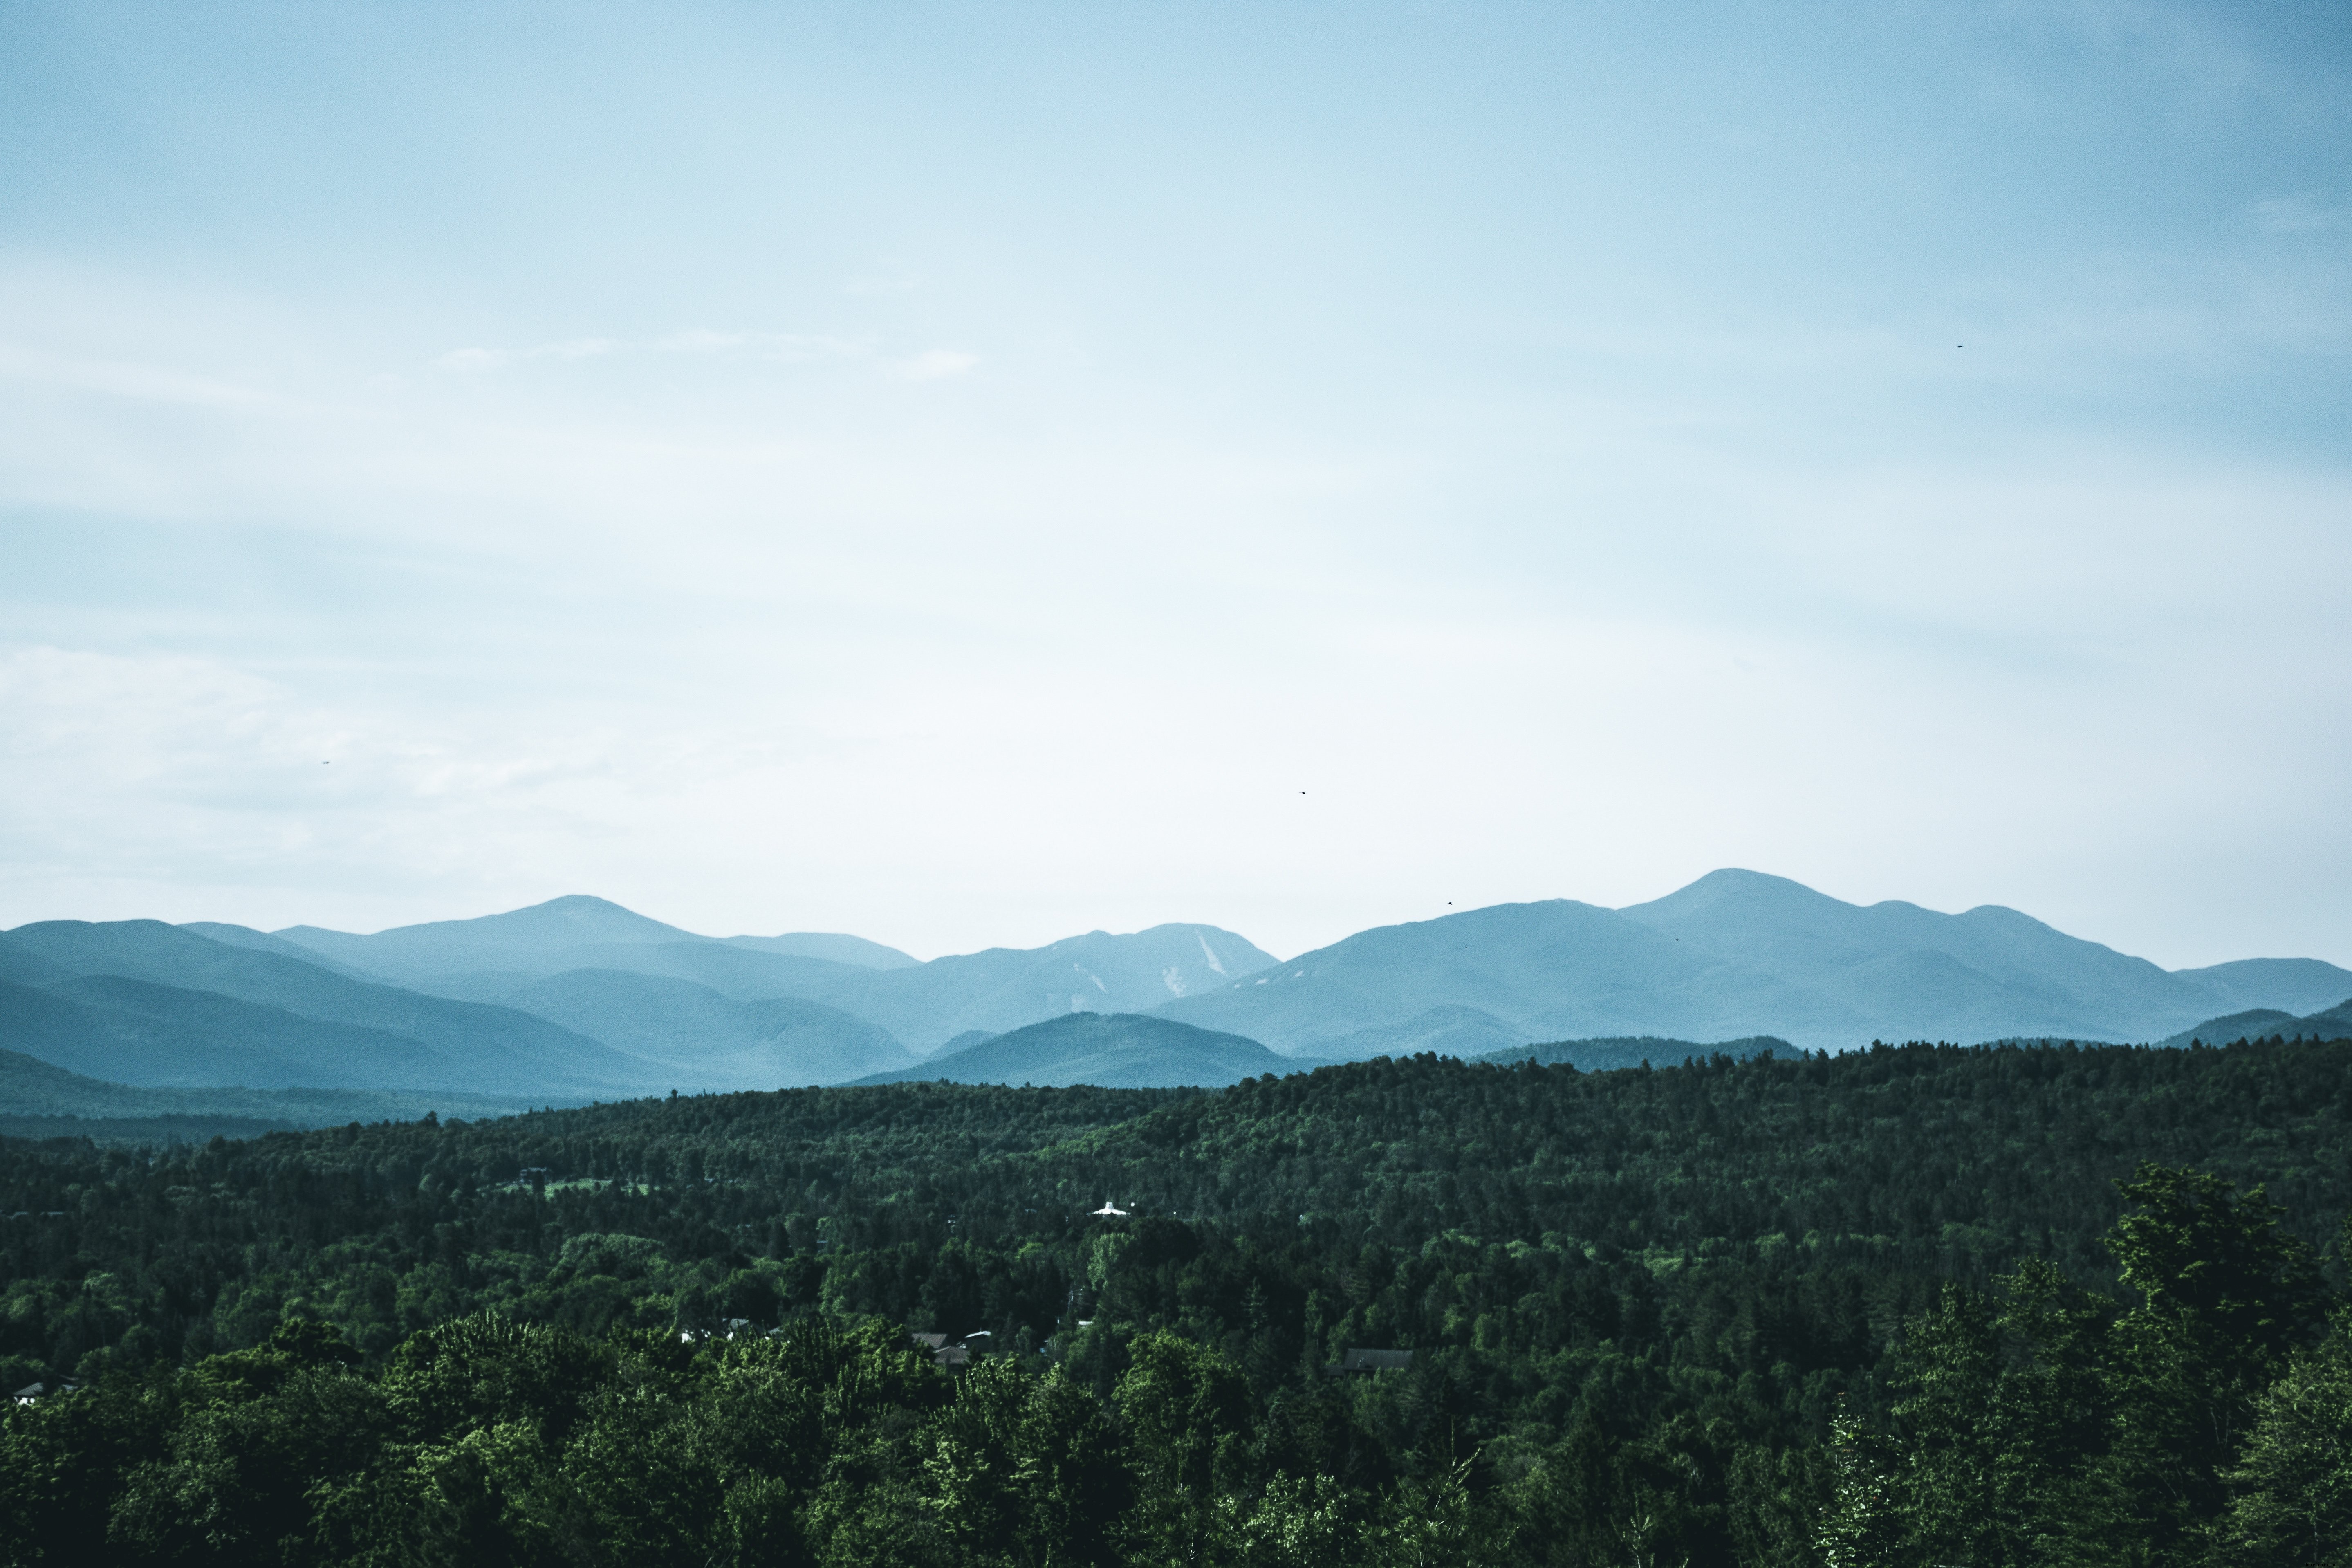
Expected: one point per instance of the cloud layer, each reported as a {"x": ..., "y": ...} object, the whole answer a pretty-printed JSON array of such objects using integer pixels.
[{"x": 972, "y": 484}]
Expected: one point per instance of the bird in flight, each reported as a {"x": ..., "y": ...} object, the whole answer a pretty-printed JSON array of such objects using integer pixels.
[{"x": 1109, "y": 1210}]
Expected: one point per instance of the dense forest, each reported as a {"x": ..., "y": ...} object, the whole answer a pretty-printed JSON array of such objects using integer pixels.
[{"x": 1916, "y": 1305}]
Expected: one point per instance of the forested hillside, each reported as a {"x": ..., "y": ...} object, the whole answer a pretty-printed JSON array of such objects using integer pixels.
[{"x": 1889, "y": 1307}]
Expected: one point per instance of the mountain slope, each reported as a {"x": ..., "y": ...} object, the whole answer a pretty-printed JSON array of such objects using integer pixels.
[
  {"x": 1734, "y": 954},
  {"x": 483, "y": 1050},
  {"x": 22, "y": 966},
  {"x": 2329, "y": 1024},
  {"x": 1005, "y": 988},
  {"x": 136, "y": 1032},
  {"x": 831, "y": 945},
  {"x": 1111, "y": 1050},
  {"x": 707, "y": 1040},
  {"x": 549, "y": 938},
  {"x": 31, "y": 1089},
  {"x": 2253, "y": 1024},
  {"x": 742, "y": 973},
  {"x": 1548, "y": 970},
  {"x": 1918, "y": 974},
  {"x": 924, "y": 1004},
  {"x": 2297, "y": 985},
  {"x": 2263, "y": 1022},
  {"x": 512, "y": 939},
  {"x": 262, "y": 941}
]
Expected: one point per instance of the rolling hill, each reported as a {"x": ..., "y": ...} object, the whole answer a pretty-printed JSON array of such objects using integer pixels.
[
  {"x": 2297, "y": 985},
  {"x": 1110, "y": 1050},
  {"x": 2263, "y": 1022}
]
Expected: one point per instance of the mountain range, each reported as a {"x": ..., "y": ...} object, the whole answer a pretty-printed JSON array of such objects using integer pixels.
[
  {"x": 579, "y": 998},
  {"x": 1734, "y": 954},
  {"x": 924, "y": 1006}
]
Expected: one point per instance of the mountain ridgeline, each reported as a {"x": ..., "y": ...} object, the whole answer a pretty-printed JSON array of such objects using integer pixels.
[
  {"x": 1734, "y": 953},
  {"x": 579, "y": 999}
]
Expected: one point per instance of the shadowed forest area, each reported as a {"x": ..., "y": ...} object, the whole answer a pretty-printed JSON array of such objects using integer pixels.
[{"x": 1916, "y": 1305}]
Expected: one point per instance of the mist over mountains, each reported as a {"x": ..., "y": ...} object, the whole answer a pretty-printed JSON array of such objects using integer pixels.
[{"x": 580, "y": 998}]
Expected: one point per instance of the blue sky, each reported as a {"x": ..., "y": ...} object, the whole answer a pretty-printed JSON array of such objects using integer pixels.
[{"x": 968, "y": 475}]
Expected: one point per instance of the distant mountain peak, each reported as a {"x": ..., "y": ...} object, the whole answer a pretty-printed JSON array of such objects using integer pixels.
[
  {"x": 579, "y": 906},
  {"x": 1733, "y": 884},
  {"x": 560, "y": 922}
]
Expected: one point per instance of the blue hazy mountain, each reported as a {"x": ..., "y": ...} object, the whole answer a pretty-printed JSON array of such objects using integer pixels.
[
  {"x": 1734, "y": 953},
  {"x": 1918, "y": 974},
  {"x": 545, "y": 939},
  {"x": 549, "y": 938},
  {"x": 22, "y": 966},
  {"x": 703, "y": 1039},
  {"x": 923, "y": 1004},
  {"x": 417, "y": 1041},
  {"x": 500, "y": 1004},
  {"x": 1609, "y": 1055},
  {"x": 1486, "y": 979},
  {"x": 2262, "y": 1023},
  {"x": 1004, "y": 988},
  {"x": 2253, "y": 1024},
  {"x": 39, "y": 1098},
  {"x": 744, "y": 974},
  {"x": 1113, "y": 1050},
  {"x": 2296, "y": 985},
  {"x": 2328, "y": 1024},
  {"x": 136, "y": 1032},
  {"x": 263, "y": 941},
  {"x": 830, "y": 945},
  {"x": 577, "y": 997},
  {"x": 525, "y": 941}
]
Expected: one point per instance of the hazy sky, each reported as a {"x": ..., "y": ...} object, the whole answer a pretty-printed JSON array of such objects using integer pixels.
[{"x": 970, "y": 475}]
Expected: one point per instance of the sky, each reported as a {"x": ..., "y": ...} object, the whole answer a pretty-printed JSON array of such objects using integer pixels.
[{"x": 968, "y": 475}]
